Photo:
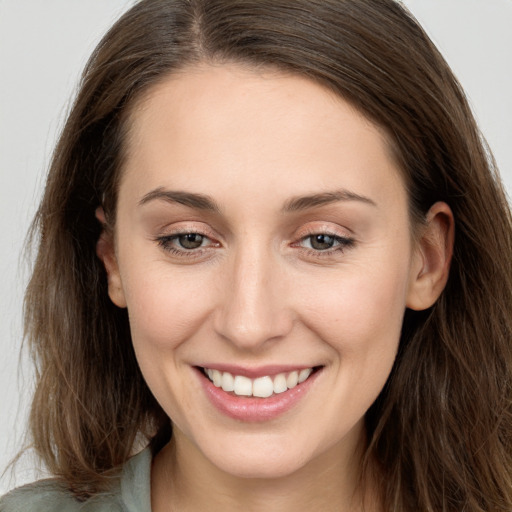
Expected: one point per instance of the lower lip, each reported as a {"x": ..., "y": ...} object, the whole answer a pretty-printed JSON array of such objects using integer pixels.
[{"x": 254, "y": 409}]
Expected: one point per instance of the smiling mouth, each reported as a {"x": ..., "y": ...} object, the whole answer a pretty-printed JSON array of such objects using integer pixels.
[{"x": 261, "y": 387}]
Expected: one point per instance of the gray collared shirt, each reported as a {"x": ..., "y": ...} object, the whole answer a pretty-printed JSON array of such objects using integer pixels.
[{"x": 132, "y": 494}]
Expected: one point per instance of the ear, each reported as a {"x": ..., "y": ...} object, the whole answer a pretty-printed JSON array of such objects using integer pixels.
[
  {"x": 431, "y": 261},
  {"x": 105, "y": 251}
]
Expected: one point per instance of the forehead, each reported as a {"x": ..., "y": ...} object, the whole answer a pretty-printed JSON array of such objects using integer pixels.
[{"x": 207, "y": 125}]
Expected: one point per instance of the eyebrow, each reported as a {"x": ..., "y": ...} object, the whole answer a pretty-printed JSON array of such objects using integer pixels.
[
  {"x": 192, "y": 200},
  {"x": 295, "y": 204},
  {"x": 305, "y": 202}
]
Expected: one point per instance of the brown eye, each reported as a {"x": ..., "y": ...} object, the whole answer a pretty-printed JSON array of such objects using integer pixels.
[
  {"x": 190, "y": 240},
  {"x": 326, "y": 243},
  {"x": 322, "y": 242}
]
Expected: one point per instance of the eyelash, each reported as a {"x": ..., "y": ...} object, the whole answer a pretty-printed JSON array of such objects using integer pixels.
[
  {"x": 343, "y": 243},
  {"x": 167, "y": 243}
]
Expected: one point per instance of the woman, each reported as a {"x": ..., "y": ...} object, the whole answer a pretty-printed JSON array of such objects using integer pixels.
[{"x": 274, "y": 247}]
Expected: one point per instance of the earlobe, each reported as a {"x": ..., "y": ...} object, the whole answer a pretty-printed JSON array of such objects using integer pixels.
[
  {"x": 431, "y": 261},
  {"x": 105, "y": 251}
]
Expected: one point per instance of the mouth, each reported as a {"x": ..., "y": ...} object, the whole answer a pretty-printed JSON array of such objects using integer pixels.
[
  {"x": 260, "y": 387},
  {"x": 257, "y": 395}
]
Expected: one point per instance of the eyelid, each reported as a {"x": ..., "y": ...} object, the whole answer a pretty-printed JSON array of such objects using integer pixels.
[
  {"x": 167, "y": 237},
  {"x": 323, "y": 228},
  {"x": 167, "y": 240},
  {"x": 343, "y": 236},
  {"x": 183, "y": 228},
  {"x": 342, "y": 243}
]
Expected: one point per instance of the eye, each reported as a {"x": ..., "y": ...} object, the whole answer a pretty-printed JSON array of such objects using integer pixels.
[
  {"x": 186, "y": 243},
  {"x": 325, "y": 242},
  {"x": 190, "y": 240},
  {"x": 321, "y": 242}
]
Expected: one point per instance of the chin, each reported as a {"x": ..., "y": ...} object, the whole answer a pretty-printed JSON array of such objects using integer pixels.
[
  {"x": 257, "y": 458},
  {"x": 257, "y": 468}
]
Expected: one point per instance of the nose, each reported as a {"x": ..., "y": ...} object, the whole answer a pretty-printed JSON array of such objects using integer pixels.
[{"x": 255, "y": 304}]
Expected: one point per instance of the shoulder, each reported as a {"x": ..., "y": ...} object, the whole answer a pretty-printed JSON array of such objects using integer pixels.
[
  {"x": 132, "y": 493},
  {"x": 43, "y": 496},
  {"x": 51, "y": 496}
]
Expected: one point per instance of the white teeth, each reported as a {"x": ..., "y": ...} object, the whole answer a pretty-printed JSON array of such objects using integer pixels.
[
  {"x": 304, "y": 374},
  {"x": 228, "y": 382},
  {"x": 262, "y": 387},
  {"x": 292, "y": 380},
  {"x": 243, "y": 386},
  {"x": 280, "y": 383},
  {"x": 217, "y": 378}
]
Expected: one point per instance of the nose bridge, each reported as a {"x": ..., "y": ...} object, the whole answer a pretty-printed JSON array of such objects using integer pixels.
[{"x": 254, "y": 306}]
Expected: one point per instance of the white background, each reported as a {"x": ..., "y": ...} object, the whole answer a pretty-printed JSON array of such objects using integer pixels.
[{"x": 43, "y": 47}]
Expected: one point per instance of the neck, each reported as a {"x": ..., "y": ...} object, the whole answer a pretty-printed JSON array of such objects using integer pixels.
[{"x": 184, "y": 480}]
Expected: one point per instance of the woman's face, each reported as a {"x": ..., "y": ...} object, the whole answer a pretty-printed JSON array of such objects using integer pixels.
[{"x": 262, "y": 237}]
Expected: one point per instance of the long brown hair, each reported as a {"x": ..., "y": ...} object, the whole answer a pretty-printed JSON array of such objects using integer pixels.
[{"x": 439, "y": 434}]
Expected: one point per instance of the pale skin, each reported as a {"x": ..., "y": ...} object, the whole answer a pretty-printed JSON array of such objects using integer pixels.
[{"x": 302, "y": 253}]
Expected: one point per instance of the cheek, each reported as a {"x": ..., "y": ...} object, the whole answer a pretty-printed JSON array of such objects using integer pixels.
[
  {"x": 165, "y": 309},
  {"x": 361, "y": 321},
  {"x": 359, "y": 307},
  {"x": 164, "y": 314}
]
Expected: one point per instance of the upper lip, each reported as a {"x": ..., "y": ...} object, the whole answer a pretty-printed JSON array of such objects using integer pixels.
[{"x": 256, "y": 371}]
